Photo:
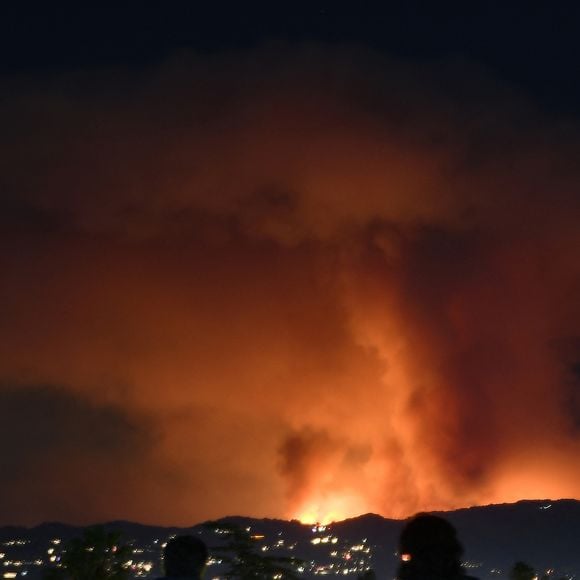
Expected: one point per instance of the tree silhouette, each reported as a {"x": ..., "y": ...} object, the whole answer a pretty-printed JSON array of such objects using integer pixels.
[
  {"x": 522, "y": 571},
  {"x": 97, "y": 555},
  {"x": 244, "y": 561}
]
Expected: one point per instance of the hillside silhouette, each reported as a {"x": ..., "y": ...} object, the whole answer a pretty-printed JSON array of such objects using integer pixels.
[{"x": 544, "y": 533}]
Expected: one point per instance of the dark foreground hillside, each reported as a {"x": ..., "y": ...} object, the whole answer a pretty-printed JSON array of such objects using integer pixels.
[{"x": 544, "y": 534}]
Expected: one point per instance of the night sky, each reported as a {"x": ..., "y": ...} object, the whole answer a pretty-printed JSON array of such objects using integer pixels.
[{"x": 289, "y": 261}]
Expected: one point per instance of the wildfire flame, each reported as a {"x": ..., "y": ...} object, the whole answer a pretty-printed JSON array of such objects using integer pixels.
[{"x": 332, "y": 508}]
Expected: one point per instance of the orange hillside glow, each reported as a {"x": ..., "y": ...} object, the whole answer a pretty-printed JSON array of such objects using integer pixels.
[{"x": 332, "y": 508}]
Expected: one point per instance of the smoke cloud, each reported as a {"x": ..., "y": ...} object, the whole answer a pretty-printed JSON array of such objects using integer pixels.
[{"x": 297, "y": 282}]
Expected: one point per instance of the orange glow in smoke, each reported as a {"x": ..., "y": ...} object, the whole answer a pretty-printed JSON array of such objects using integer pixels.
[
  {"x": 358, "y": 315},
  {"x": 317, "y": 516},
  {"x": 328, "y": 509}
]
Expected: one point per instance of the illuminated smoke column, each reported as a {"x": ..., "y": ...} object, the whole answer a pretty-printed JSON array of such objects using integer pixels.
[{"x": 308, "y": 283}]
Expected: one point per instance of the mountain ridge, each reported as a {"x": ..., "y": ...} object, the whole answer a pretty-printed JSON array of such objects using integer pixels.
[
  {"x": 545, "y": 533},
  {"x": 247, "y": 517}
]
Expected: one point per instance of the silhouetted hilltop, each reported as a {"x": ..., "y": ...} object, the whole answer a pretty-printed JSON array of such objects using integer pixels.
[
  {"x": 541, "y": 532},
  {"x": 544, "y": 533}
]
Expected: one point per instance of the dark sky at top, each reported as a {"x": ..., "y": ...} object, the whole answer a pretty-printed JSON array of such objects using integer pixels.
[{"x": 533, "y": 45}]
